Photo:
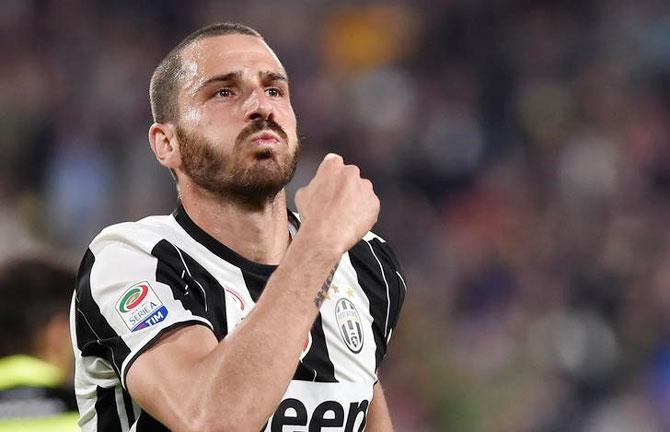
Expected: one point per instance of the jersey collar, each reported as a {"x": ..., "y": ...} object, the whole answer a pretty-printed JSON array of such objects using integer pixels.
[{"x": 223, "y": 251}]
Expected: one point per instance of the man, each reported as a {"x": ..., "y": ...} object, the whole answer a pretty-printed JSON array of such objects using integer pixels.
[
  {"x": 35, "y": 354},
  {"x": 234, "y": 313}
]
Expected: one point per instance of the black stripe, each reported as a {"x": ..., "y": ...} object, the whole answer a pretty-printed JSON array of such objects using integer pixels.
[
  {"x": 105, "y": 409},
  {"x": 255, "y": 283},
  {"x": 95, "y": 337},
  {"x": 396, "y": 286},
  {"x": 197, "y": 290},
  {"x": 146, "y": 423},
  {"x": 128, "y": 404},
  {"x": 317, "y": 358},
  {"x": 370, "y": 279}
]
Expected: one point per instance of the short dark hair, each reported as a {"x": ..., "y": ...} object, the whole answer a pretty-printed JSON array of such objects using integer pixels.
[
  {"x": 34, "y": 289},
  {"x": 165, "y": 79}
]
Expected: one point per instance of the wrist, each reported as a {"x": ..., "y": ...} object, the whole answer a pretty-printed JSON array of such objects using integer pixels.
[{"x": 320, "y": 242}]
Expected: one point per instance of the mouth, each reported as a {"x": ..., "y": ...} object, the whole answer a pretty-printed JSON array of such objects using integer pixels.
[
  {"x": 265, "y": 138},
  {"x": 264, "y": 145}
]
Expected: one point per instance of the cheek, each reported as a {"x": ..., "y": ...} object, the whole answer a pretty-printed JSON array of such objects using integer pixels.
[
  {"x": 288, "y": 120},
  {"x": 219, "y": 128},
  {"x": 192, "y": 116}
]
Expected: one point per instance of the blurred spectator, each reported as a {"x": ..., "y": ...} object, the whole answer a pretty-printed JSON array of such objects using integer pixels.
[{"x": 36, "y": 357}]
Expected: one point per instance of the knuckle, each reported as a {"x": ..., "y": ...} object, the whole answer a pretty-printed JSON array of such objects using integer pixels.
[
  {"x": 333, "y": 159},
  {"x": 352, "y": 170},
  {"x": 332, "y": 165}
]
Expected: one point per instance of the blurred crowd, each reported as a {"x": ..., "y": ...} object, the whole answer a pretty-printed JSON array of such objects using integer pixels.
[{"x": 521, "y": 150}]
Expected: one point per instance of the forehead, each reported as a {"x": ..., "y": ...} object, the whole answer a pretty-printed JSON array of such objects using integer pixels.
[{"x": 228, "y": 53}]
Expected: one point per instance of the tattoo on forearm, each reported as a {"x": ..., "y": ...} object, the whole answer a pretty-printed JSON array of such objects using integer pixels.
[{"x": 321, "y": 295}]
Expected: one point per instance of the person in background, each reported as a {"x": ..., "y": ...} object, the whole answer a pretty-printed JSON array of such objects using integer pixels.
[{"x": 36, "y": 361}]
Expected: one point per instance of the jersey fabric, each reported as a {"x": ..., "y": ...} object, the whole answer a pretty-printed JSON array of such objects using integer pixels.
[{"x": 141, "y": 279}]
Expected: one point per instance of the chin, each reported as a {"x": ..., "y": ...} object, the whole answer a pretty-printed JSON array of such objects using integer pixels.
[{"x": 265, "y": 154}]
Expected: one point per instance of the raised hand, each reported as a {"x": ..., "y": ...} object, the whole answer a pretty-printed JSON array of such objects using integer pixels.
[{"x": 338, "y": 206}]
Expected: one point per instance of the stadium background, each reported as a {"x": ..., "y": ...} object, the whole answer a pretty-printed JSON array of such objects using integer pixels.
[{"x": 520, "y": 150}]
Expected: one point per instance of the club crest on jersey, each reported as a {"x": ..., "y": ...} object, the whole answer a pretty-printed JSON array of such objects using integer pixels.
[
  {"x": 350, "y": 325},
  {"x": 140, "y": 307}
]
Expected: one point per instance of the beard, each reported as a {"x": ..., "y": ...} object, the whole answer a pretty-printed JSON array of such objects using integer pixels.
[{"x": 235, "y": 177}]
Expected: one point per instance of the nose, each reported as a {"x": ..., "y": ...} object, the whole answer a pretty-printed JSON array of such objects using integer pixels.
[{"x": 257, "y": 106}]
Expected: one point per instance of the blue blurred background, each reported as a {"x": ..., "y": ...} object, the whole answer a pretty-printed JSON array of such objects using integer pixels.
[{"x": 520, "y": 150}]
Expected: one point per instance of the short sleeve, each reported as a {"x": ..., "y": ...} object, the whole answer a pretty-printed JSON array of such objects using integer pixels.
[
  {"x": 396, "y": 282},
  {"x": 125, "y": 301}
]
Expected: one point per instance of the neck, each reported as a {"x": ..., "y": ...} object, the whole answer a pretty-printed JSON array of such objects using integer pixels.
[{"x": 258, "y": 233}]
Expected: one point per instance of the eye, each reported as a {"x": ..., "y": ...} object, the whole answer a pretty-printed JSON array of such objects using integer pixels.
[
  {"x": 274, "y": 92},
  {"x": 224, "y": 93}
]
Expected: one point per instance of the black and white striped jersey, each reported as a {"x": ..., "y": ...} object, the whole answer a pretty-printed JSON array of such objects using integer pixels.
[{"x": 140, "y": 279}]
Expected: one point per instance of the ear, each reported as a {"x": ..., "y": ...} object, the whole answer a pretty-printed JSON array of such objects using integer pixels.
[{"x": 163, "y": 141}]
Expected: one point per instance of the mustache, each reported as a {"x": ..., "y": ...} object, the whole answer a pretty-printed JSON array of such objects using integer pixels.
[{"x": 258, "y": 126}]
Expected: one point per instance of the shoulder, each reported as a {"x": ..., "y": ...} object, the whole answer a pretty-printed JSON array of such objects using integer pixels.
[
  {"x": 378, "y": 248},
  {"x": 123, "y": 254},
  {"x": 377, "y": 267},
  {"x": 142, "y": 234},
  {"x": 369, "y": 237},
  {"x": 380, "y": 276},
  {"x": 372, "y": 247}
]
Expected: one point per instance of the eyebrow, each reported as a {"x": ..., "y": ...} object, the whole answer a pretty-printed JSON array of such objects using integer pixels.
[
  {"x": 272, "y": 76},
  {"x": 231, "y": 76},
  {"x": 265, "y": 76}
]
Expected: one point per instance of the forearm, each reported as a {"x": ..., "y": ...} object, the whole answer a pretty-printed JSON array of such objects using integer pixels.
[
  {"x": 379, "y": 418},
  {"x": 251, "y": 368}
]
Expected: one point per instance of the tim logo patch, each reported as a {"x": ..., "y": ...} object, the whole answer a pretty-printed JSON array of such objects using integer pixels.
[
  {"x": 350, "y": 325},
  {"x": 140, "y": 307}
]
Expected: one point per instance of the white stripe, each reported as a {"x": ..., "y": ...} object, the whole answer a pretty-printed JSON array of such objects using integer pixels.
[
  {"x": 388, "y": 298},
  {"x": 349, "y": 367},
  {"x": 189, "y": 273},
  {"x": 121, "y": 408},
  {"x": 136, "y": 410},
  {"x": 90, "y": 422}
]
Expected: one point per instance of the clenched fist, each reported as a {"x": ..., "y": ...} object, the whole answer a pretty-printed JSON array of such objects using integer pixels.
[{"x": 337, "y": 206}]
